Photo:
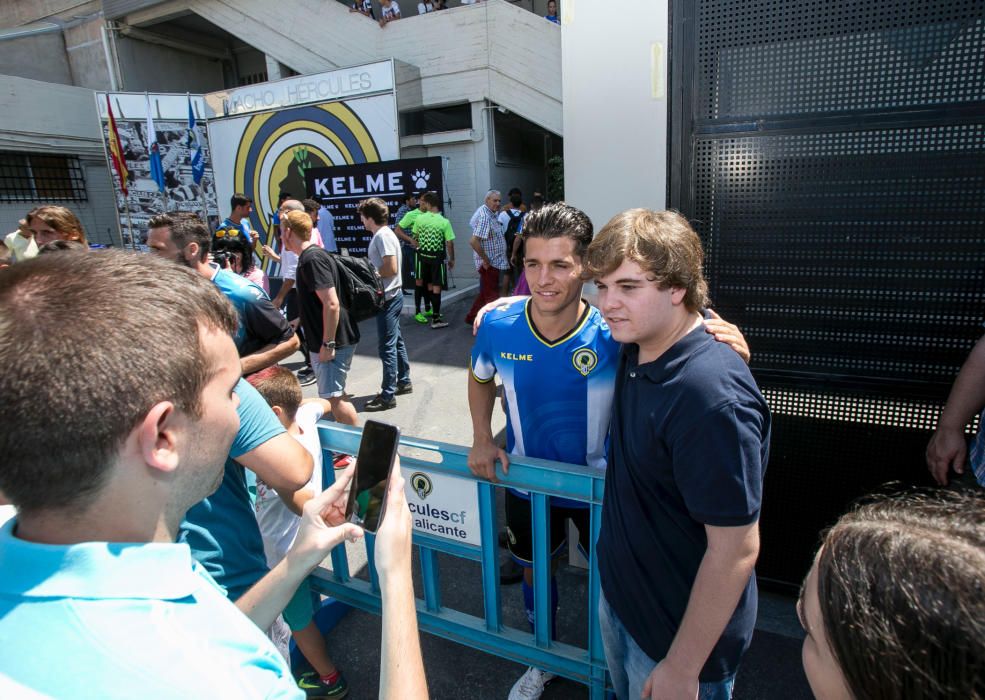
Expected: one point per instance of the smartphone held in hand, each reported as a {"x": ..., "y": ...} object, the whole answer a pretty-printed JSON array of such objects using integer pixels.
[{"x": 367, "y": 495}]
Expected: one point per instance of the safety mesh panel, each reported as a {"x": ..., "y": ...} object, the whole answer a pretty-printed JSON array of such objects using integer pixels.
[
  {"x": 833, "y": 162},
  {"x": 803, "y": 56},
  {"x": 857, "y": 254}
]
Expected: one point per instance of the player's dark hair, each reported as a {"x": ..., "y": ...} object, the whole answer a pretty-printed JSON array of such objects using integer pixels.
[
  {"x": 310, "y": 205},
  {"x": 431, "y": 199},
  {"x": 134, "y": 342},
  {"x": 559, "y": 220},
  {"x": 239, "y": 200}
]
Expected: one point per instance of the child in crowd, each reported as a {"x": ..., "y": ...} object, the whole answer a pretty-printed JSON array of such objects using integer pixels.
[{"x": 278, "y": 515}]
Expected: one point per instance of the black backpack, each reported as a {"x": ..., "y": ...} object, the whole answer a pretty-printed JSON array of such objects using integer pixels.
[
  {"x": 360, "y": 286},
  {"x": 516, "y": 218}
]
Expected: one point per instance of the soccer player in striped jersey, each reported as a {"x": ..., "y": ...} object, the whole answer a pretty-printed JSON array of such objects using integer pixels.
[{"x": 557, "y": 360}]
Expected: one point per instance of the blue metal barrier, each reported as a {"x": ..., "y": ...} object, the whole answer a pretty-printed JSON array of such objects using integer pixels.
[{"x": 542, "y": 479}]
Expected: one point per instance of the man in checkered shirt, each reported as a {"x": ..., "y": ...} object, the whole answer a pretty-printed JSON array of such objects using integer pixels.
[{"x": 489, "y": 252}]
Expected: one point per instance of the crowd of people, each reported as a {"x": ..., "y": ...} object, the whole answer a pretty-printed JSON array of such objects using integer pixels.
[
  {"x": 168, "y": 477},
  {"x": 390, "y": 9}
]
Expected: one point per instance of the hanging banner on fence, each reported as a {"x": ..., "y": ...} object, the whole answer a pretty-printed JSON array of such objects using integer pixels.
[
  {"x": 262, "y": 155},
  {"x": 143, "y": 198},
  {"x": 443, "y": 506},
  {"x": 341, "y": 188}
]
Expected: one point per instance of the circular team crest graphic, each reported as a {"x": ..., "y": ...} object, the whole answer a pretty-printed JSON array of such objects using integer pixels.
[
  {"x": 421, "y": 483},
  {"x": 277, "y": 148},
  {"x": 584, "y": 360}
]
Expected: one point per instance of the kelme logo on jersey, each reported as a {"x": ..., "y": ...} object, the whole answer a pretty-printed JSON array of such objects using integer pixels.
[
  {"x": 584, "y": 360},
  {"x": 421, "y": 483}
]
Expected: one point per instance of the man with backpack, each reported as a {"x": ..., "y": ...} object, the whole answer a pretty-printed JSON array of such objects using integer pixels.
[
  {"x": 330, "y": 332},
  {"x": 511, "y": 219}
]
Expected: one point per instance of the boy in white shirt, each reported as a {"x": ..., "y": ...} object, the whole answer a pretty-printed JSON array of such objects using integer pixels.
[{"x": 279, "y": 518}]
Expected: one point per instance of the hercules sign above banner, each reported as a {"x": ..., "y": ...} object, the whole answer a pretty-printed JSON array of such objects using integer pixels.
[{"x": 342, "y": 187}]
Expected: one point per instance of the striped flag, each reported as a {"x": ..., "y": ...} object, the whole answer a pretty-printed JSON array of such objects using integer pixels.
[
  {"x": 195, "y": 146},
  {"x": 154, "y": 151},
  {"x": 115, "y": 151}
]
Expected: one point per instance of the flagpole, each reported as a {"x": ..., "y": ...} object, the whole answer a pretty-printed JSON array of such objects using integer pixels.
[
  {"x": 152, "y": 138},
  {"x": 133, "y": 241}
]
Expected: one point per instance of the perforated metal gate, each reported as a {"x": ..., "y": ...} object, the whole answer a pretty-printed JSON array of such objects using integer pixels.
[{"x": 832, "y": 156}]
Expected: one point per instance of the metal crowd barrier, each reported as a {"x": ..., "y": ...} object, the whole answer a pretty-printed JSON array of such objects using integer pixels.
[{"x": 542, "y": 478}]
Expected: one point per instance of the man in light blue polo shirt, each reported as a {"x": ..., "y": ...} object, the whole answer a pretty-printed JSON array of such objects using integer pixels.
[{"x": 96, "y": 599}]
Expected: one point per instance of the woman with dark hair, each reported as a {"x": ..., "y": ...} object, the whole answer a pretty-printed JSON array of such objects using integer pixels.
[
  {"x": 894, "y": 606},
  {"x": 240, "y": 260}
]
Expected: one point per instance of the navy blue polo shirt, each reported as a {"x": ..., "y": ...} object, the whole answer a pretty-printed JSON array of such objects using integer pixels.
[{"x": 688, "y": 447}]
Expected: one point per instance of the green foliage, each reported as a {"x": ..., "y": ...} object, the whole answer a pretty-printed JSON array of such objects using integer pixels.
[{"x": 555, "y": 179}]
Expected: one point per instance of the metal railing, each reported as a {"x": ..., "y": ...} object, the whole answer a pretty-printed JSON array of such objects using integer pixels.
[{"x": 542, "y": 478}]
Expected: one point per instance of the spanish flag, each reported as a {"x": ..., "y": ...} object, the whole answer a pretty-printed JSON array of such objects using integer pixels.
[{"x": 115, "y": 151}]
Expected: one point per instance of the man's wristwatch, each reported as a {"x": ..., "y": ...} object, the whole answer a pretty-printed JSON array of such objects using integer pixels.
[{"x": 330, "y": 344}]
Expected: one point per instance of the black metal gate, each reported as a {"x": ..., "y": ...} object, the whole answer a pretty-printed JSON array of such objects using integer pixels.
[{"x": 831, "y": 153}]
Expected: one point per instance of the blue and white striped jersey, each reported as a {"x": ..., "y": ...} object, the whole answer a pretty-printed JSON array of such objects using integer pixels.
[{"x": 558, "y": 393}]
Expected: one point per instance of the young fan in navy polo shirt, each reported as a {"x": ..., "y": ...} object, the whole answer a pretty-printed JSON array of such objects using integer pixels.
[{"x": 689, "y": 444}]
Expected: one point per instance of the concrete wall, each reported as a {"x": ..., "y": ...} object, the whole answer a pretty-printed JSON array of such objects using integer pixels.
[
  {"x": 38, "y": 57},
  {"x": 500, "y": 52},
  {"x": 87, "y": 58},
  {"x": 62, "y": 120},
  {"x": 155, "y": 68},
  {"x": 605, "y": 170},
  {"x": 18, "y": 12}
]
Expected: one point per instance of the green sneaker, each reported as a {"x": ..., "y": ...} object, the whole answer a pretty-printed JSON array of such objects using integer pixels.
[
  {"x": 429, "y": 313},
  {"x": 420, "y": 318},
  {"x": 315, "y": 687}
]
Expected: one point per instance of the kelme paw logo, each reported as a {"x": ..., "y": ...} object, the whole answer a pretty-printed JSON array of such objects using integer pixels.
[{"x": 421, "y": 178}]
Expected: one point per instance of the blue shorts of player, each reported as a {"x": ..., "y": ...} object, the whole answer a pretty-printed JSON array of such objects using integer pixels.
[
  {"x": 629, "y": 666},
  {"x": 332, "y": 375}
]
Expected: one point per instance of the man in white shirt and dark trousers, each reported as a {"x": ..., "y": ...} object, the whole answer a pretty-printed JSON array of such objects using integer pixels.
[{"x": 385, "y": 255}]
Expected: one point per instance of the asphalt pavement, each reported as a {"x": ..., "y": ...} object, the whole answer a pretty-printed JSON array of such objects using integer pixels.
[{"x": 438, "y": 409}]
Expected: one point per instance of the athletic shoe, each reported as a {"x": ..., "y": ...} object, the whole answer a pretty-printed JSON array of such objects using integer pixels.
[
  {"x": 406, "y": 388},
  {"x": 429, "y": 313},
  {"x": 380, "y": 404},
  {"x": 314, "y": 687},
  {"x": 307, "y": 376},
  {"x": 438, "y": 322},
  {"x": 341, "y": 461},
  {"x": 420, "y": 318},
  {"x": 531, "y": 684}
]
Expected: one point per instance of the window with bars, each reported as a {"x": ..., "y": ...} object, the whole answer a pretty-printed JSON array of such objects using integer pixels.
[{"x": 41, "y": 177}]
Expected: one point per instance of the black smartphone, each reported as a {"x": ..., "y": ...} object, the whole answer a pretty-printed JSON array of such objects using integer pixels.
[{"x": 367, "y": 494}]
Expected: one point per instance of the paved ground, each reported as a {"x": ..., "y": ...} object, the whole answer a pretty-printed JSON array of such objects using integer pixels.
[{"x": 438, "y": 409}]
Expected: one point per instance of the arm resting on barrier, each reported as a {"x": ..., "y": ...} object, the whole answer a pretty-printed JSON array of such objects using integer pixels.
[
  {"x": 484, "y": 452},
  {"x": 723, "y": 575}
]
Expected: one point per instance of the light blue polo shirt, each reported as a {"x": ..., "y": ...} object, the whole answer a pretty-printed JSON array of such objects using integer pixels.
[{"x": 125, "y": 620}]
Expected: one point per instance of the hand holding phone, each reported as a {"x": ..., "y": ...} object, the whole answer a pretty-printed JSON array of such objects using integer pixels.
[
  {"x": 324, "y": 524},
  {"x": 393, "y": 539},
  {"x": 374, "y": 465}
]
